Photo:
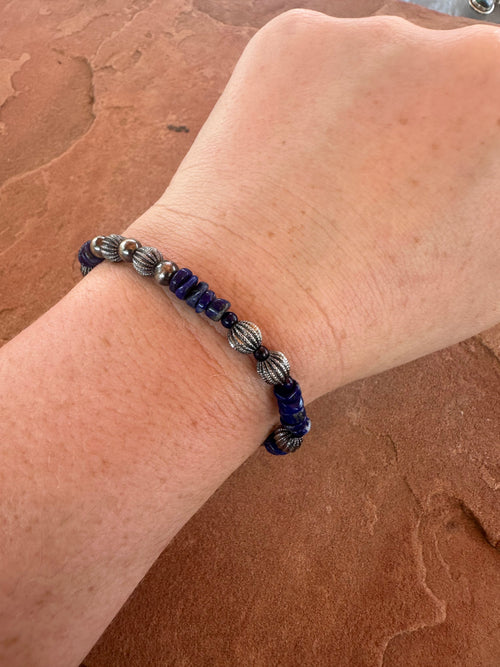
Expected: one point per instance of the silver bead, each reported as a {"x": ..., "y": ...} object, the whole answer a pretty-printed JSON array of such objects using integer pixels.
[
  {"x": 285, "y": 440},
  {"x": 85, "y": 269},
  {"x": 482, "y": 6},
  {"x": 145, "y": 259},
  {"x": 275, "y": 369},
  {"x": 127, "y": 248},
  {"x": 164, "y": 271},
  {"x": 95, "y": 245},
  {"x": 109, "y": 247},
  {"x": 244, "y": 337}
]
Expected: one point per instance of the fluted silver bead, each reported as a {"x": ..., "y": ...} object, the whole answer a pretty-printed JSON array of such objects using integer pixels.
[
  {"x": 164, "y": 271},
  {"x": 245, "y": 337},
  {"x": 275, "y": 369},
  {"x": 109, "y": 247},
  {"x": 145, "y": 260},
  {"x": 285, "y": 440},
  {"x": 85, "y": 269},
  {"x": 95, "y": 245},
  {"x": 127, "y": 248}
]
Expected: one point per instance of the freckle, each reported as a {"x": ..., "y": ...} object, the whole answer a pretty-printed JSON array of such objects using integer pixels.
[
  {"x": 270, "y": 234},
  {"x": 498, "y": 121},
  {"x": 106, "y": 341},
  {"x": 303, "y": 212},
  {"x": 9, "y": 641},
  {"x": 403, "y": 121},
  {"x": 91, "y": 589},
  {"x": 416, "y": 240},
  {"x": 283, "y": 142},
  {"x": 414, "y": 181},
  {"x": 434, "y": 145}
]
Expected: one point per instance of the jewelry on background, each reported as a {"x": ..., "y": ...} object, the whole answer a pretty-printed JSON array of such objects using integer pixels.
[{"x": 243, "y": 336}]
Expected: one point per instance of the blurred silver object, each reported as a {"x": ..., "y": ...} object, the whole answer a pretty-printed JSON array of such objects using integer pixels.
[{"x": 480, "y": 10}]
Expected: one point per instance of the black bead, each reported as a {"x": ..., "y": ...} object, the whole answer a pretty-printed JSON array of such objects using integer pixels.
[
  {"x": 261, "y": 353},
  {"x": 229, "y": 319}
]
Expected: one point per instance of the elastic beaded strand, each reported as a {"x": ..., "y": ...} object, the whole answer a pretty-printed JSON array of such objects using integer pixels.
[{"x": 243, "y": 336}]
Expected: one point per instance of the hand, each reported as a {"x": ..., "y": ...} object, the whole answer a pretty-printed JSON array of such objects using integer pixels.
[{"x": 343, "y": 192}]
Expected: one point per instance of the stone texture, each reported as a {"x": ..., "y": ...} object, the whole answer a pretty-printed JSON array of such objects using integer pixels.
[{"x": 378, "y": 543}]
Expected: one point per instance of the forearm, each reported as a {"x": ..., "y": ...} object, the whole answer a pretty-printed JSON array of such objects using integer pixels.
[{"x": 122, "y": 412}]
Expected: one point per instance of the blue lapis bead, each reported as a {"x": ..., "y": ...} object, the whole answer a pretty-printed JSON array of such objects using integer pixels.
[
  {"x": 179, "y": 278},
  {"x": 195, "y": 294},
  {"x": 216, "y": 309},
  {"x": 86, "y": 258},
  {"x": 300, "y": 430},
  {"x": 270, "y": 444},
  {"x": 285, "y": 390},
  {"x": 295, "y": 396},
  {"x": 293, "y": 420},
  {"x": 188, "y": 284},
  {"x": 204, "y": 300},
  {"x": 291, "y": 408}
]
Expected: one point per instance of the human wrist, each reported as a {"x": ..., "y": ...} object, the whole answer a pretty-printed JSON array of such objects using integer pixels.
[
  {"x": 236, "y": 266},
  {"x": 211, "y": 382}
]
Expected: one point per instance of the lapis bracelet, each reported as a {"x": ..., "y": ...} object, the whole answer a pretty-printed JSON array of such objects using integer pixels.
[{"x": 243, "y": 336}]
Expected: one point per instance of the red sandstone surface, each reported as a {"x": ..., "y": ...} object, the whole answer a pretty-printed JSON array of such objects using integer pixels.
[{"x": 378, "y": 544}]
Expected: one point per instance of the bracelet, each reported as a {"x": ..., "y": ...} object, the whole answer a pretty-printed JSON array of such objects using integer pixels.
[{"x": 243, "y": 336}]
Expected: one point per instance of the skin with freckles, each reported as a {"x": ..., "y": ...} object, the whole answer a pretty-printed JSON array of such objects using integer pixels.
[
  {"x": 350, "y": 167},
  {"x": 342, "y": 194}
]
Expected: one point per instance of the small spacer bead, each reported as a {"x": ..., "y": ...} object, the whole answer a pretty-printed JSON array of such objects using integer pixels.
[
  {"x": 95, "y": 246},
  {"x": 127, "y": 248},
  {"x": 229, "y": 319},
  {"x": 261, "y": 353},
  {"x": 164, "y": 272}
]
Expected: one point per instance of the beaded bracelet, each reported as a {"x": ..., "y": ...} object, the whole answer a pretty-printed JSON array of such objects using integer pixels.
[{"x": 243, "y": 336}]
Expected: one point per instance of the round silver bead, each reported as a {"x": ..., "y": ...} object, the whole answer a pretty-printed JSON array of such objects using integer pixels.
[
  {"x": 275, "y": 369},
  {"x": 285, "y": 440},
  {"x": 85, "y": 269},
  {"x": 164, "y": 271},
  {"x": 482, "y": 6},
  {"x": 145, "y": 260},
  {"x": 127, "y": 248},
  {"x": 95, "y": 245},
  {"x": 244, "y": 336},
  {"x": 109, "y": 247}
]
